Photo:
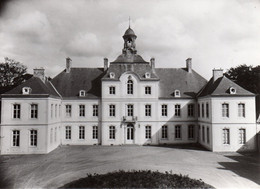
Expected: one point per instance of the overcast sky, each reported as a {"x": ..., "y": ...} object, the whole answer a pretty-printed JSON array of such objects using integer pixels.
[{"x": 214, "y": 33}]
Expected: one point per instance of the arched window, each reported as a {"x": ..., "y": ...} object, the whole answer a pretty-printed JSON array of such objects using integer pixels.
[{"x": 130, "y": 87}]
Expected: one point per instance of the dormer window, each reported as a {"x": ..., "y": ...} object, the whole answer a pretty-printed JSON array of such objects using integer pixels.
[
  {"x": 82, "y": 93},
  {"x": 177, "y": 93},
  {"x": 111, "y": 75},
  {"x": 147, "y": 75},
  {"x": 26, "y": 90},
  {"x": 232, "y": 90}
]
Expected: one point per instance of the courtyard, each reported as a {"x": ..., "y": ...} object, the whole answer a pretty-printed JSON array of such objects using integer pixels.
[{"x": 68, "y": 163}]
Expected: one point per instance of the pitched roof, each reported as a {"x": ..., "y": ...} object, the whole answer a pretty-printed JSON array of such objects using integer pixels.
[
  {"x": 135, "y": 58},
  {"x": 138, "y": 69},
  {"x": 172, "y": 79},
  {"x": 38, "y": 88},
  {"x": 221, "y": 88},
  {"x": 88, "y": 79}
]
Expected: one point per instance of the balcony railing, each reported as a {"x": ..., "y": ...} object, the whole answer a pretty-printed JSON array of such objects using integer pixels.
[{"x": 129, "y": 119}]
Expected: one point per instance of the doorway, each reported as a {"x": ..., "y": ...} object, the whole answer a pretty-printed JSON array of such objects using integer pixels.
[{"x": 129, "y": 134}]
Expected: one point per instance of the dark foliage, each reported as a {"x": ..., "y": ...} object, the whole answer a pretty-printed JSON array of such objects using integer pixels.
[
  {"x": 137, "y": 179},
  {"x": 247, "y": 77},
  {"x": 12, "y": 74}
]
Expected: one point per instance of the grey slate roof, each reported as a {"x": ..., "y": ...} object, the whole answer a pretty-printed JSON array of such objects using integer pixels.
[
  {"x": 135, "y": 58},
  {"x": 220, "y": 88},
  {"x": 38, "y": 88},
  {"x": 172, "y": 79},
  {"x": 138, "y": 69},
  {"x": 88, "y": 79}
]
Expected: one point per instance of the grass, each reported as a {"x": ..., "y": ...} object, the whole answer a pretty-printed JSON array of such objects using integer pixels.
[{"x": 137, "y": 179}]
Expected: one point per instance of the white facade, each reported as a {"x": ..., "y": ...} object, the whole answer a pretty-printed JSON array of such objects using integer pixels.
[{"x": 137, "y": 104}]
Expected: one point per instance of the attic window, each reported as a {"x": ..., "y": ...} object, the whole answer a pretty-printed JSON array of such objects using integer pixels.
[
  {"x": 232, "y": 90},
  {"x": 26, "y": 90},
  {"x": 177, "y": 93},
  {"x": 112, "y": 75},
  {"x": 82, "y": 93},
  {"x": 147, "y": 75}
]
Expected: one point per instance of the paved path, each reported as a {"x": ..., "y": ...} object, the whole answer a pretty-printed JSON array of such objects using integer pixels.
[{"x": 67, "y": 163}]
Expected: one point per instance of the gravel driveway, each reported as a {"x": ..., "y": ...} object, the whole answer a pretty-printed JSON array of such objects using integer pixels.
[{"x": 68, "y": 163}]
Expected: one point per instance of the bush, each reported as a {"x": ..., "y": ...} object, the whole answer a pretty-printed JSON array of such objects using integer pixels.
[{"x": 137, "y": 179}]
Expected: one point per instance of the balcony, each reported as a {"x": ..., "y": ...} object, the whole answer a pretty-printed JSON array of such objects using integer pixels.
[{"x": 129, "y": 119}]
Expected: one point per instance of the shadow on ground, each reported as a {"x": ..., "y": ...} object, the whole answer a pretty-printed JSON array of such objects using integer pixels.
[
  {"x": 247, "y": 165},
  {"x": 190, "y": 146}
]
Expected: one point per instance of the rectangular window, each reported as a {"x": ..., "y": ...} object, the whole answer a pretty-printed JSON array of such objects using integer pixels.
[
  {"x": 51, "y": 135},
  {"x": 241, "y": 110},
  {"x": 55, "y": 134},
  {"x": 81, "y": 132},
  {"x": 33, "y": 138},
  {"x": 59, "y": 110},
  {"x": 68, "y": 110},
  {"x": 51, "y": 110},
  {"x": 112, "y": 110},
  {"x": 130, "y": 110},
  {"x": 34, "y": 111},
  {"x": 148, "y": 90},
  {"x": 202, "y": 109},
  {"x": 225, "y": 110},
  {"x": 164, "y": 110},
  {"x": 242, "y": 136},
  {"x": 68, "y": 132},
  {"x": 198, "y": 110},
  {"x": 207, "y": 110},
  {"x": 190, "y": 110},
  {"x": 164, "y": 132},
  {"x": 95, "y": 110},
  {"x": 208, "y": 139},
  {"x": 148, "y": 132},
  {"x": 147, "y": 110},
  {"x": 112, "y": 132},
  {"x": 130, "y": 87},
  {"x": 177, "y": 132},
  {"x": 177, "y": 110},
  {"x": 95, "y": 132},
  {"x": 56, "y": 110},
  {"x": 226, "y": 139},
  {"x": 203, "y": 134},
  {"x": 82, "y": 110},
  {"x": 191, "y": 132},
  {"x": 16, "y": 138},
  {"x": 17, "y": 111},
  {"x": 112, "y": 90}
]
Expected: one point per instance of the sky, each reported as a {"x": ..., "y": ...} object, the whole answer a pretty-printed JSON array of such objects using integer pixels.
[{"x": 214, "y": 33}]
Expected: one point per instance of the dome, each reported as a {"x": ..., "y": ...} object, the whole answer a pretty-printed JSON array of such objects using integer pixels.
[{"x": 129, "y": 31}]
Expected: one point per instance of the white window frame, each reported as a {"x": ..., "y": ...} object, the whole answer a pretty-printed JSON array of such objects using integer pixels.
[
  {"x": 164, "y": 108},
  {"x": 112, "y": 132},
  {"x": 81, "y": 132},
  {"x": 178, "y": 133},
  {"x": 68, "y": 132},
  {"x": 130, "y": 86},
  {"x": 82, "y": 111},
  {"x": 95, "y": 110},
  {"x": 16, "y": 138},
  {"x": 33, "y": 137},
  {"x": 242, "y": 136},
  {"x": 177, "y": 110},
  {"x": 165, "y": 132},
  {"x": 190, "y": 110},
  {"x": 68, "y": 110},
  {"x": 148, "y": 90},
  {"x": 112, "y": 90},
  {"x": 225, "y": 110},
  {"x": 112, "y": 110},
  {"x": 130, "y": 110},
  {"x": 241, "y": 110},
  {"x": 95, "y": 132},
  {"x": 148, "y": 131},
  {"x": 226, "y": 136},
  {"x": 16, "y": 111},
  {"x": 148, "y": 110}
]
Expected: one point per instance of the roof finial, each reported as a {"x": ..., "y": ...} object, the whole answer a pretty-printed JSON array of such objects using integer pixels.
[{"x": 129, "y": 21}]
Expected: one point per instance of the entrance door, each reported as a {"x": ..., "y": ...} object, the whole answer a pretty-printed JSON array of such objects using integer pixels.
[{"x": 129, "y": 134}]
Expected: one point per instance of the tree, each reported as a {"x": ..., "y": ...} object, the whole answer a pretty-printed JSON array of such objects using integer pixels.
[
  {"x": 12, "y": 73},
  {"x": 247, "y": 77}
]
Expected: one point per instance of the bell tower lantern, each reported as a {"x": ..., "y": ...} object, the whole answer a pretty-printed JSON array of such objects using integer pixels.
[{"x": 129, "y": 42}]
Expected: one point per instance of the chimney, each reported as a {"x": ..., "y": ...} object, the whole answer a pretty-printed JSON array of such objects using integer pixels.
[
  {"x": 152, "y": 60},
  {"x": 189, "y": 65},
  {"x": 68, "y": 65},
  {"x": 39, "y": 72},
  {"x": 217, "y": 73},
  {"x": 105, "y": 64}
]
